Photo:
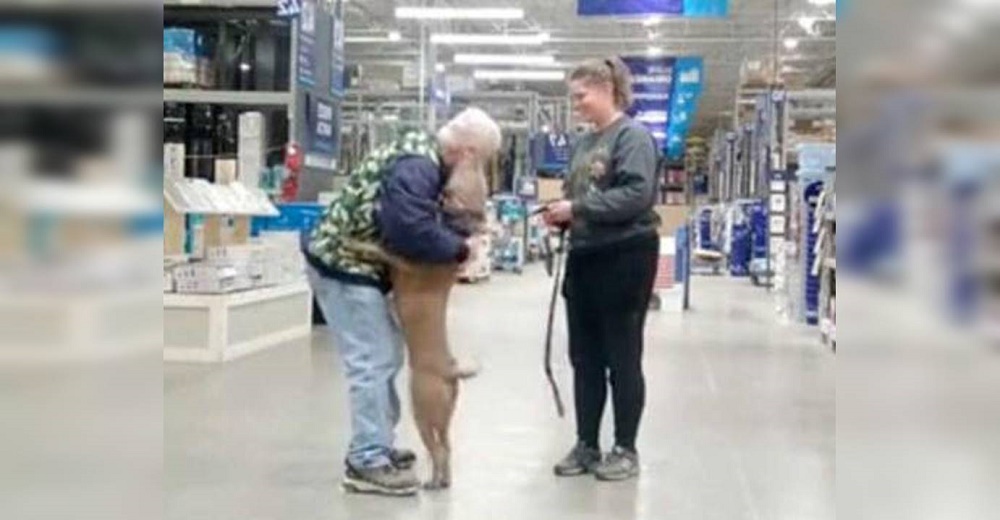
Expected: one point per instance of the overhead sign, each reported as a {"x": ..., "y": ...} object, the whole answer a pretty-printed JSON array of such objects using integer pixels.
[
  {"x": 289, "y": 8},
  {"x": 688, "y": 86},
  {"x": 306, "y": 59},
  {"x": 337, "y": 61},
  {"x": 552, "y": 151},
  {"x": 666, "y": 92},
  {"x": 687, "y": 8},
  {"x": 652, "y": 86}
]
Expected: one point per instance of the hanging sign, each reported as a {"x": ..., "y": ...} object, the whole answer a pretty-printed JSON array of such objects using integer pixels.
[
  {"x": 685, "y": 8},
  {"x": 555, "y": 151},
  {"x": 688, "y": 86},
  {"x": 306, "y": 59},
  {"x": 652, "y": 86},
  {"x": 289, "y": 8},
  {"x": 666, "y": 92},
  {"x": 322, "y": 123},
  {"x": 337, "y": 62}
]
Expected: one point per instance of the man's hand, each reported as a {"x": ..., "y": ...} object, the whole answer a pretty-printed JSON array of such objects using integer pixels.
[{"x": 558, "y": 213}]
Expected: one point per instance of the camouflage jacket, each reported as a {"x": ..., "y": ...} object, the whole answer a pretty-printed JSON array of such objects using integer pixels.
[{"x": 352, "y": 214}]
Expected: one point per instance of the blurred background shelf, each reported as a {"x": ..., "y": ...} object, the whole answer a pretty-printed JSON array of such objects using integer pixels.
[{"x": 227, "y": 97}]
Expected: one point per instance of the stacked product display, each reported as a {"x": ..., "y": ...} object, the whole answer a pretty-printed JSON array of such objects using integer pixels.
[
  {"x": 187, "y": 58},
  {"x": 825, "y": 263},
  {"x": 817, "y": 166}
]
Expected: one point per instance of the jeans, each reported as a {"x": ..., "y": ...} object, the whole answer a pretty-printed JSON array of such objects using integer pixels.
[{"x": 367, "y": 334}]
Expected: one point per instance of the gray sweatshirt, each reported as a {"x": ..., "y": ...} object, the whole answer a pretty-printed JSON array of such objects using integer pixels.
[{"x": 612, "y": 183}]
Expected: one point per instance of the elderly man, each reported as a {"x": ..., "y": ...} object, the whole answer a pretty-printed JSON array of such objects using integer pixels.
[{"x": 393, "y": 198}]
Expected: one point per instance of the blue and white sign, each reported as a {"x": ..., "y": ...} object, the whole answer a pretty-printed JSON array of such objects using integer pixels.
[
  {"x": 666, "y": 98},
  {"x": 552, "y": 152},
  {"x": 688, "y": 85},
  {"x": 652, "y": 85},
  {"x": 289, "y": 8},
  {"x": 337, "y": 62},
  {"x": 306, "y": 59},
  {"x": 322, "y": 125},
  {"x": 686, "y": 8}
]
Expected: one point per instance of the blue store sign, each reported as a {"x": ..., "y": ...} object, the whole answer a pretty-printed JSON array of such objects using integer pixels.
[
  {"x": 688, "y": 8},
  {"x": 667, "y": 91},
  {"x": 323, "y": 121},
  {"x": 552, "y": 152},
  {"x": 337, "y": 62},
  {"x": 306, "y": 59}
]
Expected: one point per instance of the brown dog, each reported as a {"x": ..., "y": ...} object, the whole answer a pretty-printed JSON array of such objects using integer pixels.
[{"x": 421, "y": 293}]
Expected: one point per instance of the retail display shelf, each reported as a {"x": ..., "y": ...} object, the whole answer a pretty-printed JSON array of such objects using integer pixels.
[
  {"x": 203, "y": 328},
  {"x": 227, "y": 97},
  {"x": 197, "y": 196},
  {"x": 245, "y": 4},
  {"x": 77, "y": 95},
  {"x": 88, "y": 324}
]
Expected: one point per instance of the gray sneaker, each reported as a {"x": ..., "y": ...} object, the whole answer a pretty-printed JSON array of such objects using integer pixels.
[
  {"x": 383, "y": 480},
  {"x": 620, "y": 464},
  {"x": 579, "y": 461}
]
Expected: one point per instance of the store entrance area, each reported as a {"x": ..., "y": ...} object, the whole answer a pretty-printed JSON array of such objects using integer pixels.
[{"x": 739, "y": 422}]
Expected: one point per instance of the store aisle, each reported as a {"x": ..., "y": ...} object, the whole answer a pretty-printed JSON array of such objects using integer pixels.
[{"x": 740, "y": 423}]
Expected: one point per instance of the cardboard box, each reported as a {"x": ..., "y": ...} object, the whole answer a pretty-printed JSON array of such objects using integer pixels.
[
  {"x": 550, "y": 189},
  {"x": 225, "y": 171},
  {"x": 671, "y": 218}
]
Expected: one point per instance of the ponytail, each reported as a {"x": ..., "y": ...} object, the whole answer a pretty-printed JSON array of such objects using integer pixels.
[{"x": 610, "y": 71}]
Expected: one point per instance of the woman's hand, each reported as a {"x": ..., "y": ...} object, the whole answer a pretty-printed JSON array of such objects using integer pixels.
[{"x": 558, "y": 213}]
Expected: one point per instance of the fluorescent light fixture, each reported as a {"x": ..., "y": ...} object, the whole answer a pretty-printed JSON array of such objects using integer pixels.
[
  {"x": 822, "y": 2},
  {"x": 519, "y": 75},
  {"x": 652, "y": 21},
  {"x": 490, "y": 39},
  {"x": 791, "y": 43},
  {"x": 439, "y": 67},
  {"x": 390, "y": 37},
  {"x": 455, "y": 13},
  {"x": 506, "y": 59},
  {"x": 654, "y": 51}
]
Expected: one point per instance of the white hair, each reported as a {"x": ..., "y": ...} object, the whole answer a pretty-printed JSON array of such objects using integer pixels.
[{"x": 474, "y": 128}]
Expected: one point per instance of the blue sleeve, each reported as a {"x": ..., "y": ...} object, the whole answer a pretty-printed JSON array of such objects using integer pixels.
[{"x": 410, "y": 214}]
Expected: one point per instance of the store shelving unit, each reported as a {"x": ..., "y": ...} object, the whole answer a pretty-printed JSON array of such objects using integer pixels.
[
  {"x": 218, "y": 328},
  {"x": 825, "y": 267},
  {"x": 222, "y": 327},
  {"x": 226, "y": 97}
]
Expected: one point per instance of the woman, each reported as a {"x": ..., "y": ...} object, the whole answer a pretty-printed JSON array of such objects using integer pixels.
[{"x": 614, "y": 246}]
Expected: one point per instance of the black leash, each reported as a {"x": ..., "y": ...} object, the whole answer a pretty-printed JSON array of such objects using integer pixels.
[{"x": 557, "y": 258}]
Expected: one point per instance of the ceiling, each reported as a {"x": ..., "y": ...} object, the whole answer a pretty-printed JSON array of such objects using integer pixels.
[{"x": 725, "y": 44}]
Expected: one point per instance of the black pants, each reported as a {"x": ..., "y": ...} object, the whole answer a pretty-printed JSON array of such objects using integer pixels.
[{"x": 607, "y": 297}]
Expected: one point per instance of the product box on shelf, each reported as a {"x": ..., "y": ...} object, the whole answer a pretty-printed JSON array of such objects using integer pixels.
[
  {"x": 209, "y": 278},
  {"x": 173, "y": 160},
  {"x": 251, "y": 148},
  {"x": 225, "y": 171},
  {"x": 186, "y": 58}
]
